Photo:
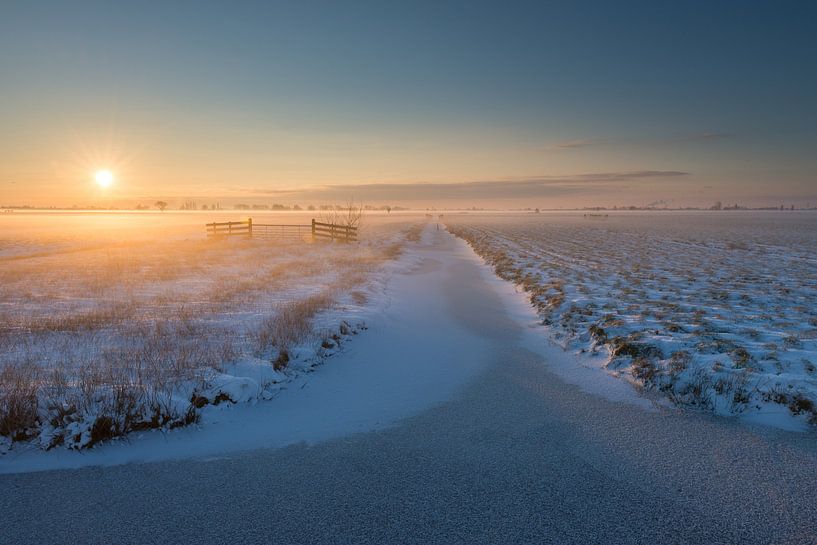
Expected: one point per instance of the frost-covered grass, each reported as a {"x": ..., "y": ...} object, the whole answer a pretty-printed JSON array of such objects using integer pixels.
[
  {"x": 716, "y": 310},
  {"x": 143, "y": 322}
]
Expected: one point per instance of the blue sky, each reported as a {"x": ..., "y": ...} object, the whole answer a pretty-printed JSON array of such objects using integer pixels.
[{"x": 246, "y": 99}]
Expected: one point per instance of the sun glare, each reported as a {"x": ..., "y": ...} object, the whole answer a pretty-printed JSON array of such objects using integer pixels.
[{"x": 104, "y": 178}]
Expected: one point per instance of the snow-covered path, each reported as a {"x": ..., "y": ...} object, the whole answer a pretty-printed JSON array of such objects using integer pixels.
[{"x": 444, "y": 422}]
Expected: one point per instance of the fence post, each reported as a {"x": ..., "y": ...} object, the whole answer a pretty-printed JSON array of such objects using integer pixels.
[
  {"x": 313, "y": 228},
  {"x": 249, "y": 227}
]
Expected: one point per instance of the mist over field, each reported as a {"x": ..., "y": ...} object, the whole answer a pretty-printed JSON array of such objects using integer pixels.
[{"x": 118, "y": 322}]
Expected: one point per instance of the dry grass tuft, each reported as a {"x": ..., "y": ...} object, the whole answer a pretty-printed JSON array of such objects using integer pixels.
[
  {"x": 100, "y": 337},
  {"x": 290, "y": 323},
  {"x": 18, "y": 399}
]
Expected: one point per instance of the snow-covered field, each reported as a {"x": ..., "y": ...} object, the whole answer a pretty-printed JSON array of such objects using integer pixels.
[
  {"x": 112, "y": 323},
  {"x": 711, "y": 309}
]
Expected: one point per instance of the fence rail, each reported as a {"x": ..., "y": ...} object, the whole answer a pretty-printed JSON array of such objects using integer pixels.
[
  {"x": 333, "y": 231},
  {"x": 229, "y": 228},
  {"x": 316, "y": 229},
  {"x": 284, "y": 231}
]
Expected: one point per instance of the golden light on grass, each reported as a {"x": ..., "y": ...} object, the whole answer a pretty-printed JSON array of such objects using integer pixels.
[
  {"x": 121, "y": 280},
  {"x": 104, "y": 178}
]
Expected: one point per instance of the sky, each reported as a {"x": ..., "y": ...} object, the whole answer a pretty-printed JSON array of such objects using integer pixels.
[{"x": 458, "y": 104}]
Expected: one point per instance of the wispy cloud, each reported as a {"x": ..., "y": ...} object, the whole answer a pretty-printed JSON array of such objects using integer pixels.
[
  {"x": 606, "y": 177},
  {"x": 576, "y": 143},
  {"x": 706, "y": 136},
  {"x": 514, "y": 188}
]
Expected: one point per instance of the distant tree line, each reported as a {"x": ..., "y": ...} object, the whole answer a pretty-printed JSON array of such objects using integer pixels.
[
  {"x": 720, "y": 206},
  {"x": 717, "y": 206}
]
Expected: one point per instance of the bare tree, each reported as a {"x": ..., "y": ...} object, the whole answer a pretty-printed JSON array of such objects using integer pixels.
[
  {"x": 350, "y": 215},
  {"x": 161, "y": 205}
]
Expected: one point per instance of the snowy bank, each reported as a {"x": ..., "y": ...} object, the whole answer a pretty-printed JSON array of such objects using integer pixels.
[
  {"x": 102, "y": 340},
  {"x": 709, "y": 311},
  {"x": 414, "y": 354}
]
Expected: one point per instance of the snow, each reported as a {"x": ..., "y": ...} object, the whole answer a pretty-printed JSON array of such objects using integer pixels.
[
  {"x": 411, "y": 357},
  {"x": 236, "y": 389},
  {"x": 574, "y": 368},
  {"x": 118, "y": 328},
  {"x": 700, "y": 309},
  {"x": 409, "y": 347}
]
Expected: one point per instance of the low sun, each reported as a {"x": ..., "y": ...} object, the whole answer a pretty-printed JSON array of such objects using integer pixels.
[{"x": 104, "y": 178}]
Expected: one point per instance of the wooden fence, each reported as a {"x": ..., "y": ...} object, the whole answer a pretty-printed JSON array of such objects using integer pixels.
[
  {"x": 332, "y": 231},
  {"x": 317, "y": 230},
  {"x": 230, "y": 228},
  {"x": 282, "y": 231}
]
